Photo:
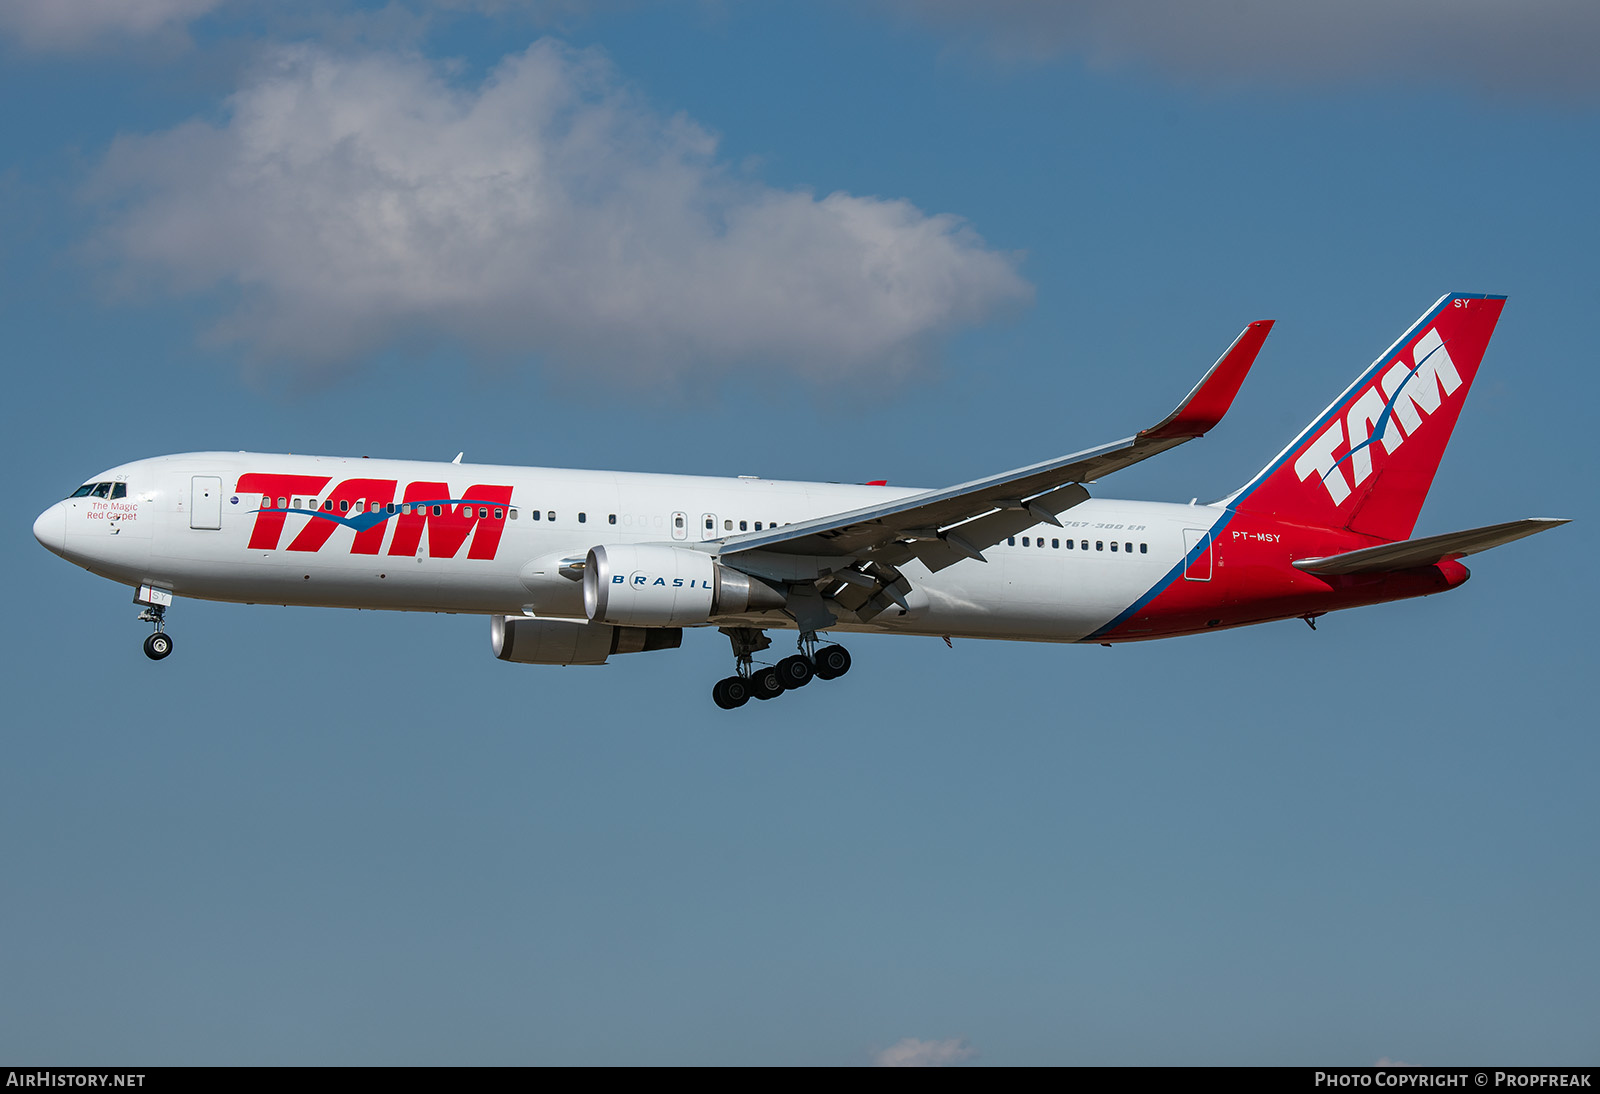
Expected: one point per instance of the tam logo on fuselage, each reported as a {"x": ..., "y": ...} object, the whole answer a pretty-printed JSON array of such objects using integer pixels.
[
  {"x": 1401, "y": 397},
  {"x": 367, "y": 506}
]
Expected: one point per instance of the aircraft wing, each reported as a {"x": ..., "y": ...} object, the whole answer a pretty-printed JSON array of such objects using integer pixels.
[
  {"x": 943, "y": 526},
  {"x": 1409, "y": 553}
]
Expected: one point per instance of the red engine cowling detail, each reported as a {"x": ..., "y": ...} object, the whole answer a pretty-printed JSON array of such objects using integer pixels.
[{"x": 653, "y": 586}]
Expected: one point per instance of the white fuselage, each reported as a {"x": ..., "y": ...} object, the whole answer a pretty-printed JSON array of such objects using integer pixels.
[{"x": 1033, "y": 587}]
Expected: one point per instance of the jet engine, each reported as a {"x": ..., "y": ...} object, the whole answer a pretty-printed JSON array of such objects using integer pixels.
[
  {"x": 657, "y": 586},
  {"x": 554, "y": 642}
]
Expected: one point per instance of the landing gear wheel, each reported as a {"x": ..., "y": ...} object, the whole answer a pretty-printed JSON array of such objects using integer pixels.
[
  {"x": 832, "y": 662},
  {"x": 158, "y": 645},
  {"x": 795, "y": 672},
  {"x": 731, "y": 693},
  {"x": 766, "y": 684}
]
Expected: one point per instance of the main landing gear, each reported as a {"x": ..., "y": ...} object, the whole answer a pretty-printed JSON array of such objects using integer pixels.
[
  {"x": 771, "y": 681},
  {"x": 159, "y": 644}
]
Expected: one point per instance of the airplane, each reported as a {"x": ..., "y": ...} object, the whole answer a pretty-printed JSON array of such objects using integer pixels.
[{"x": 574, "y": 566}]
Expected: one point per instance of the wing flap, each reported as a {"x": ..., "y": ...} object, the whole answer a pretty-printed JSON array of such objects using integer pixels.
[{"x": 1411, "y": 553}]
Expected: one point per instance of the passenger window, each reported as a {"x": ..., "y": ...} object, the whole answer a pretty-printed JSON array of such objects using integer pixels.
[
  {"x": 1024, "y": 541},
  {"x": 119, "y": 490},
  {"x": 1011, "y": 541},
  {"x": 758, "y": 526},
  {"x": 1128, "y": 547},
  {"x": 1084, "y": 545},
  {"x": 297, "y": 502},
  {"x": 1144, "y": 548},
  {"x": 499, "y": 514},
  {"x": 1113, "y": 545},
  {"x": 438, "y": 510},
  {"x": 1039, "y": 542},
  {"x": 533, "y": 514},
  {"x": 727, "y": 526},
  {"x": 744, "y": 526},
  {"x": 711, "y": 524},
  {"x": 677, "y": 522},
  {"x": 513, "y": 514},
  {"x": 1099, "y": 545},
  {"x": 612, "y": 519},
  {"x": 1055, "y": 545},
  {"x": 1070, "y": 544},
  {"x": 551, "y": 515},
  {"x": 583, "y": 518}
]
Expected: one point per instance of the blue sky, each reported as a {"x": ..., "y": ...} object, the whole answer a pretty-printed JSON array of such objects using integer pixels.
[{"x": 914, "y": 241}]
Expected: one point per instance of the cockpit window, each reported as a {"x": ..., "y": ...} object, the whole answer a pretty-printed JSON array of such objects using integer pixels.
[{"x": 112, "y": 490}]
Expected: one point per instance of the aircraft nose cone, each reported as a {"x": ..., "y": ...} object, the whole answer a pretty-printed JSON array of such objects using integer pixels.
[{"x": 51, "y": 528}]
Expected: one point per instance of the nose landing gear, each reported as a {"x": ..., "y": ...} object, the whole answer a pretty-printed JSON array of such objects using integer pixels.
[
  {"x": 155, "y": 602},
  {"x": 827, "y": 663}
]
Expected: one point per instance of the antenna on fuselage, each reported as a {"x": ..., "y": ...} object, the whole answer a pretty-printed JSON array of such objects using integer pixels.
[{"x": 458, "y": 457}]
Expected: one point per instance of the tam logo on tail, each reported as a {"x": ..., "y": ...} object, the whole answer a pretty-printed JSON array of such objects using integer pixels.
[
  {"x": 1409, "y": 392},
  {"x": 1367, "y": 462}
]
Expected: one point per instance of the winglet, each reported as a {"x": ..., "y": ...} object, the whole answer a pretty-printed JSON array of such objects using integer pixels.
[{"x": 1213, "y": 395}]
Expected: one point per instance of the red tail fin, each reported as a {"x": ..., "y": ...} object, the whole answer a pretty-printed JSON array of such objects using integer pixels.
[{"x": 1367, "y": 461}]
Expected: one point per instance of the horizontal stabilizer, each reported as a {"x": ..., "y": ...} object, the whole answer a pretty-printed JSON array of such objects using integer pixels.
[{"x": 1411, "y": 553}]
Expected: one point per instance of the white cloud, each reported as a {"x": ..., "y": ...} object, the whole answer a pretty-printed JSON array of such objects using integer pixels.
[
  {"x": 68, "y": 25},
  {"x": 72, "y": 24},
  {"x": 912, "y": 1052},
  {"x": 354, "y": 203},
  {"x": 1542, "y": 47}
]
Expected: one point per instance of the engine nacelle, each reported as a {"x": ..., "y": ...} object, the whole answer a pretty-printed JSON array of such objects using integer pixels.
[
  {"x": 653, "y": 586},
  {"x": 553, "y": 642}
]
